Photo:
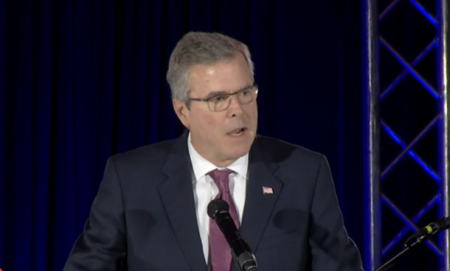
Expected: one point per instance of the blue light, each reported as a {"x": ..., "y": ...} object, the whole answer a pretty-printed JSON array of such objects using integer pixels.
[
  {"x": 409, "y": 68},
  {"x": 408, "y": 223},
  {"x": 402, "y": 233},
  {"x": 405, "y": 72},
  {"x": 424, "y": 12},
  {"x": 411, "y": 153}
]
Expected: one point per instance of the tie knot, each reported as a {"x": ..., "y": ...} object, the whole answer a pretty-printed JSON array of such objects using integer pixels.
[{"x": 220, "y": 177}]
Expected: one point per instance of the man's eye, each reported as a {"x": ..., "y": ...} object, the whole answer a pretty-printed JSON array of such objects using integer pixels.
[
  {"x": 219, "y": 98},
  {"x": 245, "y": 92}
]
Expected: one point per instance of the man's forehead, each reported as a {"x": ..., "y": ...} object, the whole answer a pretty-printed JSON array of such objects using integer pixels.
[{"x": 212, "y": 65}]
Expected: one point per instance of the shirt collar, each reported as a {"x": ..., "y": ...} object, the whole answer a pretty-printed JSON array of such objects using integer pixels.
[{"x": 201, "y": 166}]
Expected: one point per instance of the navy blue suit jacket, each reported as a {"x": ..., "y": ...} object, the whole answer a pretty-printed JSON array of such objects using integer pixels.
[{"x": 144, "y": 217}]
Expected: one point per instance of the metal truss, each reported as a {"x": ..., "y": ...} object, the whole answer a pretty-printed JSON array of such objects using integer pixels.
[{"x": 439, "y": 93}]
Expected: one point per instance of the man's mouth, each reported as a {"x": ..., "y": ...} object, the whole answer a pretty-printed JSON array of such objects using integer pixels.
[{"x": 237, "y": 132}]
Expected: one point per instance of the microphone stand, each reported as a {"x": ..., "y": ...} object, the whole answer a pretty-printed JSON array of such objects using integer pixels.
[{"x": 394, "y": 260}]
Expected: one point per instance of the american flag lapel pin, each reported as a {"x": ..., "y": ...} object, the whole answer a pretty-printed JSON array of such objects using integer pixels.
[{"x": 267, "y": 190}]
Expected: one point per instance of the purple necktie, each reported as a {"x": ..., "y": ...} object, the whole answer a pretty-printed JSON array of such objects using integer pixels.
[{"x": 220, "y": 252}]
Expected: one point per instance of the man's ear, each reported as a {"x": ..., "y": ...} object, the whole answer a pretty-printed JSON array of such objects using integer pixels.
[{"x": 182, "y": 111}]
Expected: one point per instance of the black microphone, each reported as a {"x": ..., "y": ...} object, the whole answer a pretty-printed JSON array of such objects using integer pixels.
[
  {"x": 218, "y": 210},
  {"x": 432, "y": 228}
]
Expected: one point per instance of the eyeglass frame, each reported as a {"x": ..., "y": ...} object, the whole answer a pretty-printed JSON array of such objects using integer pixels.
[{"x": 228, "y": 96}]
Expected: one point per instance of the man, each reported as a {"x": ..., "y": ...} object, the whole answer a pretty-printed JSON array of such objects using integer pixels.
[{"x": 150, "y": 211}]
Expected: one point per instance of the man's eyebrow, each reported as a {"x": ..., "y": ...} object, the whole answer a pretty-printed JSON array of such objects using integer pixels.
[
  {"x": 222, "y": 92},
  {"x": 216, "y": 93}
]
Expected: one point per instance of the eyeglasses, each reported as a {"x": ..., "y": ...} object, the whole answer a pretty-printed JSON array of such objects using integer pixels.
[{"x": 221, "y": 102}]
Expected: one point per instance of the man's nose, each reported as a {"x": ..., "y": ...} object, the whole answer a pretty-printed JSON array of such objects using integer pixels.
[{"x": 235, "y": 107}]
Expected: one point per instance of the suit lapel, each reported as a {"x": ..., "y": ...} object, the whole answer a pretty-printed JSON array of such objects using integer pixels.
[
  {"x": 259, "y": 206},
  {"x": 178, "y": 199}
]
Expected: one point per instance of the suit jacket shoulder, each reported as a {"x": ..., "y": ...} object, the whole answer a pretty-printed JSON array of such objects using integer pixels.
[
  {"x": 280, "y": 148},
  {"x": 149, "y": 155},
  {"x": 288, "y": 156}
]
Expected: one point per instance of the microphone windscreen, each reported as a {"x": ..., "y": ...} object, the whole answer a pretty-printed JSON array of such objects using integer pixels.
[{"x": 216, "y": 206}]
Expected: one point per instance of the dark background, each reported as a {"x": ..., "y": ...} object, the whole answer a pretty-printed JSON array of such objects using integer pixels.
[{"x": 82, "y": 80}]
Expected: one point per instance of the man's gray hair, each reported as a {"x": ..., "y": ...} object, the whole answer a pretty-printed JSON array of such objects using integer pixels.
[{"x": 199, "y": 48}]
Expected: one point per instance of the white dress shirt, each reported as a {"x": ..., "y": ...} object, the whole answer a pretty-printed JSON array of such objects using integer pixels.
[{"x": 206, "y": 190}]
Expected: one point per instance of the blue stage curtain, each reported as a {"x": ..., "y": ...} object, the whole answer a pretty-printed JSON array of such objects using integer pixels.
[{"x": 82, "y": 80}]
